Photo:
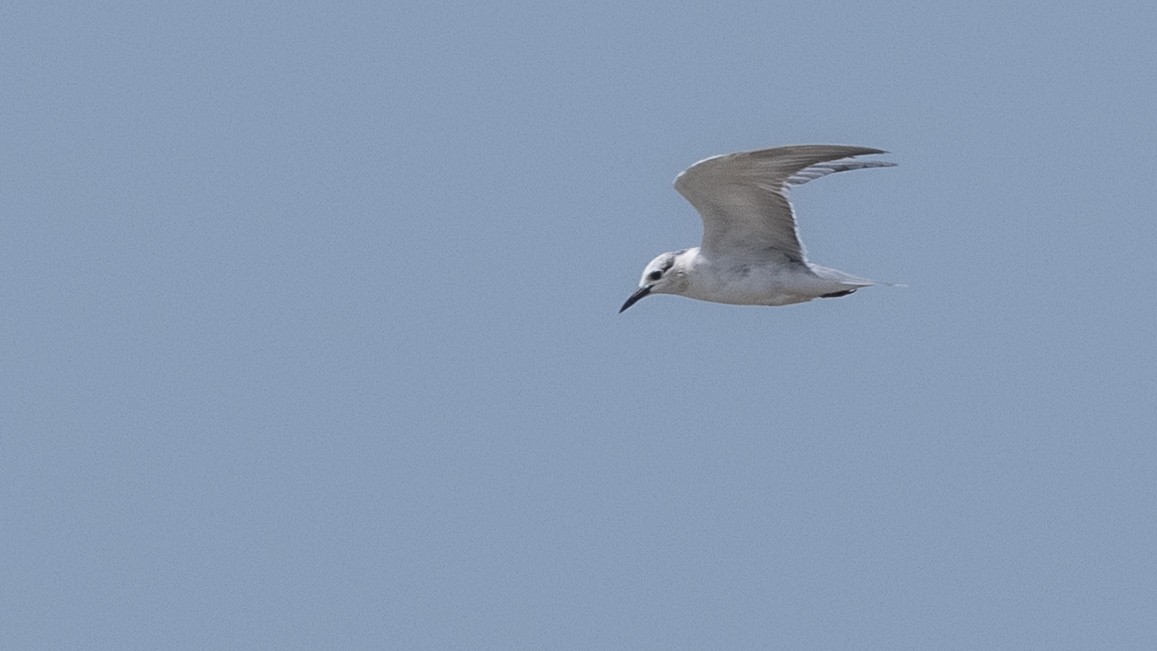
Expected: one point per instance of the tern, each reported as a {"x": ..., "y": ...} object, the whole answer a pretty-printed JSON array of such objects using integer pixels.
[{"x": 751, "y": 252}]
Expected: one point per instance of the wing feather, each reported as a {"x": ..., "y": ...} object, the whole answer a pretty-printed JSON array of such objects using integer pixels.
[{"x": 743, "y": 200}]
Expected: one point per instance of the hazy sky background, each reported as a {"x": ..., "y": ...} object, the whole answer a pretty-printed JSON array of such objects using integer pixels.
[{"x": 308, "y": 331}]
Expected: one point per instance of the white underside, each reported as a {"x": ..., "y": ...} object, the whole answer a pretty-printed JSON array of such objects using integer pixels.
[{"x": 767, "y": 284}]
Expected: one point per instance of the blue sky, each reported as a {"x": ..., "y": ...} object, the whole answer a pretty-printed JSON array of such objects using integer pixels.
[{"x": 310, "y": 334}]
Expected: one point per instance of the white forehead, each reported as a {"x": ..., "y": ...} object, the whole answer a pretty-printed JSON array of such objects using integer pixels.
[{"x": 662, "y": 262}]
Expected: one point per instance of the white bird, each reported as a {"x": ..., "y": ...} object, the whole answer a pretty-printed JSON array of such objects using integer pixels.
[{"x": 751, "y": 253}]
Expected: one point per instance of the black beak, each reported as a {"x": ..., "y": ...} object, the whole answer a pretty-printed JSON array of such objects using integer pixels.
[{"x": 636, "y": 297}]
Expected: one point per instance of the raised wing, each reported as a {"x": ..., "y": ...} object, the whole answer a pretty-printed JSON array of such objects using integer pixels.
[{"x": 742, "y": 197}]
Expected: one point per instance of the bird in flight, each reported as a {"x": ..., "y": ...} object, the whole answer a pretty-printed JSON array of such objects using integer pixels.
[{"x": 751, "y": 253}]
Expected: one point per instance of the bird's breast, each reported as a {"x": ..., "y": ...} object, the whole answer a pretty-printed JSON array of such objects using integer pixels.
[{"x": 746, "y": 285}]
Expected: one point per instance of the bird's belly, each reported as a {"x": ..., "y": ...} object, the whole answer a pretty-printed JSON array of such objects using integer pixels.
[{"x": 753, "y": 289}]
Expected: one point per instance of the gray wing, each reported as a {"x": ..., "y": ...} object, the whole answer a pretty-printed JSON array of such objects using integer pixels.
[{"x": 742, "y": 197}]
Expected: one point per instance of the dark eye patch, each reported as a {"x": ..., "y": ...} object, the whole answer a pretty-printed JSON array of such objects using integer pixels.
[{"x": 655, "y": 275}]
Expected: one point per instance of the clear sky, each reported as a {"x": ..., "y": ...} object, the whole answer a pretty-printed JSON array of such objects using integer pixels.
[{"x": 309, "y": 338}]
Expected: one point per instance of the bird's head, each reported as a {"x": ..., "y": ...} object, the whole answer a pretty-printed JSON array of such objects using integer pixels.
[{"x": 666, "y": 274}]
